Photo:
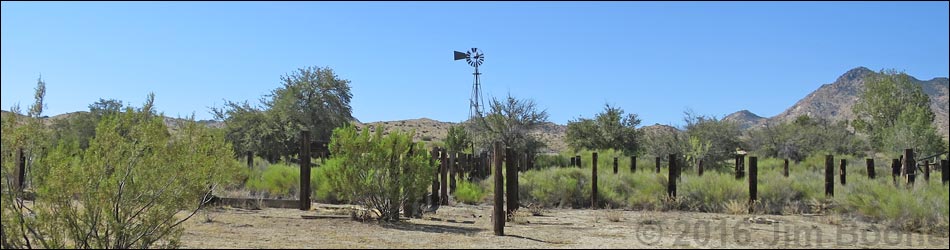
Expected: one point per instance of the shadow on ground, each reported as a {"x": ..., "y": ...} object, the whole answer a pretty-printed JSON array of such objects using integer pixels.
[{"x": 408, "y": 226}]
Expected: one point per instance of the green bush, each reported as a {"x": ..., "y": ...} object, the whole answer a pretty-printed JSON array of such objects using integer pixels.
[
  {"x": 126, "y": 190},
  {"x": 469, "y": 193},
  {"x": 279, "y": 181},
  {"x": 711, "y": 191},
  {"x": 924, "y": 207},
  {"x": 385, "y": 173}
]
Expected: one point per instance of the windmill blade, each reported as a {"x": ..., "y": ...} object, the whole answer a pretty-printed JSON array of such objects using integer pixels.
[{"x": 460, "y": 55}]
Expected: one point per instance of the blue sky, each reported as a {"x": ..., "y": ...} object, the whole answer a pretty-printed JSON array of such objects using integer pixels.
[{"x": 653, "y": 59}]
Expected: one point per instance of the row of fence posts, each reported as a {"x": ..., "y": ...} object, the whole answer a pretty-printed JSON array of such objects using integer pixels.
[{"x": 904, "y": 168}]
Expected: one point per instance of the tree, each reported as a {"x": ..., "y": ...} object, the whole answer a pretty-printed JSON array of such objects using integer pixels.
[
  {"x": 511, "y": 122},
  {"x": 125, "y": 191},
  {"x": 804, "y": 137},
  {"x": 311, "y": 98},
  {"x": 40, "y": 93},
  {"x": 721, "y": 136},
  {"x": 81, "y": 127},
  {"x": 609, "y": 129},
  {"x": 457, "y": 139},
  {"x": 661, "y": 141},
  {"x": 380, "y": 172},
  {"x": 895, "y": 114}
]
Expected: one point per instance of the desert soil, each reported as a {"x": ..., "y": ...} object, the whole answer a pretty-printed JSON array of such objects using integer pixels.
[{"x": 466, "y": 226}]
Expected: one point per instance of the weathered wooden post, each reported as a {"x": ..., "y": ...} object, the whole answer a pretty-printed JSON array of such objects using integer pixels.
[
  {"x": 453, "y": 170},
  {"x": 910, "y": 165},
  {"x": 444, "y": 177},
  {"x": 895, "y": 169},
  {"x": 740, "y": 166},
  {"x": 434, "y": 197},
  {"x": 579, "y": 162},
  {"x": 615, "y": 165},
  {"x": 511, "y": 175},
  {"x": 633, "y": 164},
  {"x": 573, "y": 161},
  {"x": 250, "y": 159},
  {"x": 785, "y": 169},
  {"x": 699, "y": 168},
  {"x": 305, "y": 170},
  {"x": 20, "y": 170},
  {"x": 753, "y": 182},
  {"x": 657, "y": 164},
  {"x": 593, "y": 182},
  {"x": 530, "y": 161},
  {"x": 830, "y": 176},
  {"x": 944, "y": 168},
  {"x": 498, "y": 214},
  {"x": 843, "y": 172},
  {"x": 871, "y": 173},
  {"x": 671, "y": 177},
  {"x": 927, "y": 170}
]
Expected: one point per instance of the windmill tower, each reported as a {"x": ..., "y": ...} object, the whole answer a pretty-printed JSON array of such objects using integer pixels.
[
  {"x": 476, "y": 105},
  {"x": 474, "y": 58}
]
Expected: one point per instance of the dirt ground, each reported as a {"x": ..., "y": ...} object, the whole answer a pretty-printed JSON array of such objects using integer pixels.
[{"x": 470, "y": 227}]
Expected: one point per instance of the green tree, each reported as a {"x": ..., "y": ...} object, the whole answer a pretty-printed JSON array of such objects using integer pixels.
[
  {"x": 457, "y": 139},
  {"x": 804, "y": 137},
  {"x": 314, "y": 98},
  {"x": 895, "y": 113},
  {"x": 722, "y": 136},
  {"x": 80, "y": 126},
  {"x": 609, "y": 129},
  {"x": 125, "y": 191},
  {"x": 661, "y": 141},
  {"x": 380, "y": 172},
  {"x": 511, "y": 122}
]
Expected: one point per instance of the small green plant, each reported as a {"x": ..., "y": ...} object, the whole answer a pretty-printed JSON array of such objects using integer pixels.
[{"x": 469, "y": 193}]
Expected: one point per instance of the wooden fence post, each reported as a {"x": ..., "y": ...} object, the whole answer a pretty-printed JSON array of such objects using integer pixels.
[
  {"x": 699, "y": 168},
  {"x": 305, "y": 170},
  {"x": 895, "y": 169},
  {"x": 871, "y": 173},
  {"x": 511, "y": 174},
  {"x": 20, "y": 170},
  {"x": 579, "y": 162},
  {"x": 434, "y": 197},
  {"x": 944, "y": 168},
  {"x": 633, "y": 164},
  {"x": 927, "y": 171},
  {"x": 843, "y": 172},
  {"x": 615, "y": 165},
  {"x": 593, "y": 182},
  {"x": 453, "y": 170},
  {"x": 657, "y": 165},
  {"x": 830, "y": 176},
  {"x": 740, "y": 166},
  {"x": 671, "y": 177},
  {"x": 753, "y": 182},
  {"x": 573, "y": 162},
  {"x": 498, "y": 214},
  {"x": 250, "y": 159},
  {"x": 785, "y": 169},
  {"x": 443, "y": 177},
  {"x": 910, "y": 166}
]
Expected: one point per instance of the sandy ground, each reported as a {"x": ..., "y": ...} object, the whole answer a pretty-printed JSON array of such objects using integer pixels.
[{"x": 470, "y": 227}]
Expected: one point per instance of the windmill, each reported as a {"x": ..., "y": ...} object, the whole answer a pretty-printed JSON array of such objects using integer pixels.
[{"x": 474, "y": 58}]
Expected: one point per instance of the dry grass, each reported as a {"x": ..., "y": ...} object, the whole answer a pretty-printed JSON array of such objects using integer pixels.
[{"x": 736, "y": 207}]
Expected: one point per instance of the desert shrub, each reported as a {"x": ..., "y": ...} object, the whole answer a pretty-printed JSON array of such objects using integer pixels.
[
  {"x": 924, "y": 207},
  {"x": 556, "y": 187},
  {"x": 469, "y": 193},
  {"x": 323, "y": 188},
  {"x": 710, "y": 192},
  {"x": 276, "y": 181},
  {"x": 124, "y": 191},
  {"x": 380, "y": 172}
]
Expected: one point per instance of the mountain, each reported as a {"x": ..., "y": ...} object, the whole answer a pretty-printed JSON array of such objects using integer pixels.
[
  {"x": 745, "y": 119},
  {"x": 833, "y": 101}
]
